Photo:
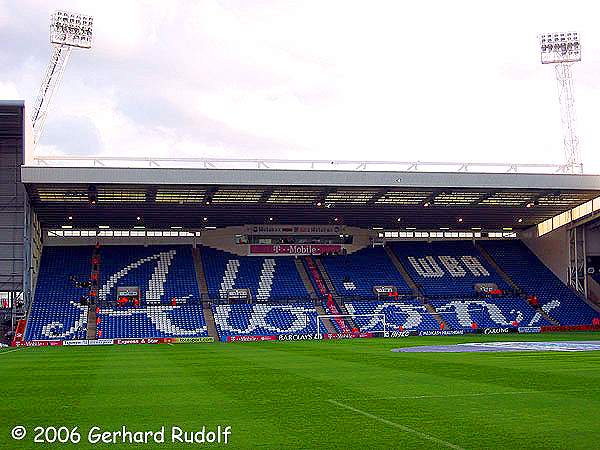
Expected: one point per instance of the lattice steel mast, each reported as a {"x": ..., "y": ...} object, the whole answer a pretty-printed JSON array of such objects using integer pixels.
[
  {"x": 67, "y": 30},
  {"x": 563, "y": 50}
]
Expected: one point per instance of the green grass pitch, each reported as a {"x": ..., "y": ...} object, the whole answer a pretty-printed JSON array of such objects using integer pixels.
[{"x": 329, "y": 394}]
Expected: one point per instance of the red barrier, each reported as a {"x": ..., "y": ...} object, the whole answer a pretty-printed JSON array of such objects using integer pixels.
[
  {"x": 333, "y": 309},
  {"x": 19, "y": 333},
  {"x": 561, "y": 328}
]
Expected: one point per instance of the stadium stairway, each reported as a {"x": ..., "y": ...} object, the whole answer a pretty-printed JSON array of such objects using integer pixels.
[
  {"x": 313, "y": 294},
  {"x": 92, "y": 326},
  {"x": 207, "y": 311},
  {"x": 400, "y": 268},
  {"x": 305, "y": 278},
  {"x": 557, "y": 299},
  {"x": 200, "y": 275},
  {"x": 322, "y": 290},
  {"x": 436, "y": 315},
  {"x": 326, "y": 322},
  {"x": 209, "y": 318},
  {"x": 507, "y": 279},
  {"x": 343, "y": 310},
  {"x": 337, "y": 300},
  {"x": 315, "y": 276},
  {"x": 546, "y": 316},
  {"x": 325, "y": 276}
]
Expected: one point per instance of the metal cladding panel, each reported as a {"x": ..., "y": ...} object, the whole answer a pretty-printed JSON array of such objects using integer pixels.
[
  {"x": 272, "y": 177},
  {"x": 12, "y": 196}
]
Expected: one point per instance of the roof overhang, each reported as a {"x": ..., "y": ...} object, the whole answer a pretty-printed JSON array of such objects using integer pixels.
[
  {"x": 270, "y": 177},
  {"x": 165, "y": 197}
]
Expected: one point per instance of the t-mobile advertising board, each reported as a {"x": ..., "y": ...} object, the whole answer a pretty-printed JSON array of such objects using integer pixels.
[{"x": 293, "y": 249}]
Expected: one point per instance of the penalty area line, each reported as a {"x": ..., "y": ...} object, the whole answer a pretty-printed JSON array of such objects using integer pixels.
[{"x": 397, "y": 425}]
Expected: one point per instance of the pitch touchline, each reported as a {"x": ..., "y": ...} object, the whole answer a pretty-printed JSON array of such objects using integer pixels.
[{"x": 397, "y": 425}]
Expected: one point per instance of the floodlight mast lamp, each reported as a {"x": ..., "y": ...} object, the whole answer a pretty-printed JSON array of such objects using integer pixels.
[
  {"x": 563, "y": 50},
  {"x": 67, "y": 30}
]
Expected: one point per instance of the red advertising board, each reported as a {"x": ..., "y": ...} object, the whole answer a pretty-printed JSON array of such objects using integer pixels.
[
  {"x": 559, "y": 328},
  {"x": 142, "y": 341},
  {"x": 38, "y": 343},
  {"x": 347, "y": 335},
  {"x": 292, "y": 249}
]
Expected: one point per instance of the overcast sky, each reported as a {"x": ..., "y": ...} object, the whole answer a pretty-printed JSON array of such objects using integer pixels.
[{"x": 434, "y": 80}]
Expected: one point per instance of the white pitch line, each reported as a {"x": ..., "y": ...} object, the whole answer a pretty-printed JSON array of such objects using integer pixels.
[
  {"x": 476, "y": 394},
  {"x": 398, "y": 426},
  {"x": 8, "y": 351}
]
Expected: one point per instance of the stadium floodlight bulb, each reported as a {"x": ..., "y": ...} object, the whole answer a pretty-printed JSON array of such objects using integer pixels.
[
  {"x": 561, "y": 47},
  {"x": 72, "y": 29}
]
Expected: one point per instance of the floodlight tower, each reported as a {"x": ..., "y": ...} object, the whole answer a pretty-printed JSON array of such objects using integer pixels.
[
  {"x": 563, "y": 50},
  {"x": 67, "y": 30}
]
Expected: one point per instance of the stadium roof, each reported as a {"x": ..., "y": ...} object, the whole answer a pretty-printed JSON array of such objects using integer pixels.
[{"x": 164, "y": 197}]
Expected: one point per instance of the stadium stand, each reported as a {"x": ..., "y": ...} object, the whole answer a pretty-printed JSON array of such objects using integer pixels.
[
  {"x": 170, "y": 300},
  {"x": 446, "y": 269},
  {"x": 490, "y": 312},
  {"x": 56, "y": 312},
  {"x": 264, "y": 319},
  {"x": 408, "y": 314},
  {"x": 531, "y": 275},
  {"x": 161, "y": 272},
  {"x": 355, "y": 274},
  {"x": 267, "y": 278},
  {"x": 152, "y": 321}
]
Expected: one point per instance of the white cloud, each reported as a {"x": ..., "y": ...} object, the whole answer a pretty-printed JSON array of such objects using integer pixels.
[
  {"x": 9, "y": 91},
  {"x": 356, "y": 80}
]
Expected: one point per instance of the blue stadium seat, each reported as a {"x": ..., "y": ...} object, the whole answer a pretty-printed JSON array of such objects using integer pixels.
[
  {"x": 273, "y": 278},
  {"x": 152, "y": 321},
  {"x": 56, "y": 313},
  {"x": 161, "y": 272},
  {"x": 531, "y": 275},
  {"x": 265, "y": 319},
  {"x": 488, "y": 313},
  {"x": 354, "y": 275},
  {"x": 446, "y": 269},
  {"x": 410, "y": 314}
]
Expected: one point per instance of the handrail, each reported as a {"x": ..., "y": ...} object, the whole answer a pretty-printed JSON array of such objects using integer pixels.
[{"x": 296, "y": 164}]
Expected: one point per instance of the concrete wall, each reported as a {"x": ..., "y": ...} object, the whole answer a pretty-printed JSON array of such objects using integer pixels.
[
  {"x": 224, "y": 239},
  {"x": 592, "y": 238},
  {"x": 552, "y": 249},
  {"x": 221, "y": 239}
]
